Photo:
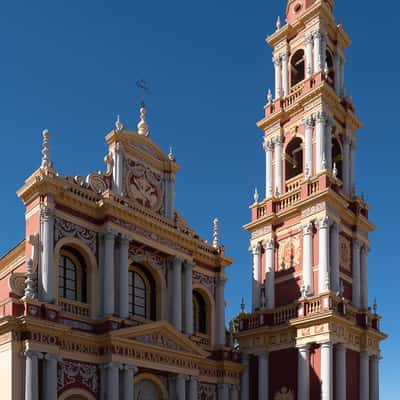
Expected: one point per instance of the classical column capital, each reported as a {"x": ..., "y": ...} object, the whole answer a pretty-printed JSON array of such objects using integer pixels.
[
  {"x": 269, "y": 244},
  {"x": 357, "y": 243},
  {"x": 308, "y": 121},
  {"x": 255, "y": 249},
  {"x": 308, "y": 38},
  {"x": 347, "y": 140},
  {"x": 322, "y": 117},
  {"x": 262, "y": 355},
  {"x": 317, "y": 34},
  {"x": 277, "y": 60},
  {"x": 326, "y": 344},
  {"x": 285, "y": 56},
  {"x": 303, "y": 348},
  {"x": 278, "y": 140},
  {"x": 32, "y": 354},
  {"x": 111, "y": 365},
  {"x": 268, "y": 145},
  {"x": 176, "y": 261},
  {"x": 365, "y": 248},
  {"x": 221, "y": 281},
  {"x": 52, "y": 356},
  {"x": 108, "y": 233},
  {"x": 335, "y": 227},
  {"x": 189, "y": 264},
  {"x": 324, "y": 222},
  {"x": 128, "y": 367},
  {"x": 307, "y": 228},
  {"x": 124, "y": 239},
  {"x": 47, "y": 213}
]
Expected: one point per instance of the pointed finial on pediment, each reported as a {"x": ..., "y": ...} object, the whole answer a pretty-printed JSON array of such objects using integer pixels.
[
  {"x": 216, "y": 233},
  {"x": 335, "y": 170},
  {"x": 171, "y": 155},
  {"x": 269, "y": 96},
  {"x": 46, "y": 162},
  {"x": 278, "y": 23},
  {"x": 242, "y": 306},
  {"x": 119, "y": 126},
  {"x": 143, "y": 128},
  {"x": 256, "y": 196}
]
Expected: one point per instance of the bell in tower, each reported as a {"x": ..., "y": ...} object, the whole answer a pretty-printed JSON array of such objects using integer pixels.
[{"x": 310, "y": 334}]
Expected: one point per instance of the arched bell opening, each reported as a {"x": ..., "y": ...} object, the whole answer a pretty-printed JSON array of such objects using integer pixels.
[
  {"x": 297, "y": 68},
  {"x": 294, "y": 158}
]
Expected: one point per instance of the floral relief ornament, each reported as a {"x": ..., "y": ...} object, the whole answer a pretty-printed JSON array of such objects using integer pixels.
[
  {"x": 144, "y": 186},
  {"x": 72, "y": 373},
  {"x": 289, "y": 253}
]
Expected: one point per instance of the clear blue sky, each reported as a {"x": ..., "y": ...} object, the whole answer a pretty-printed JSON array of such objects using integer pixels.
[{"x": 72, "y": 66}]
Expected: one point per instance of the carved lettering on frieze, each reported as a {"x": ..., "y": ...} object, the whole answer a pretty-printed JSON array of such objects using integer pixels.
[
  {"x": 43, "y": 338},
  {"x": 65, "y": 228},
  {"x": 157, "y": 339}
]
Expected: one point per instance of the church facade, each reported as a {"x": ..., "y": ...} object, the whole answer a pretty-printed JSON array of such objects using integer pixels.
[
  {"x": 112, "y": 296},
  {"x": 311, "y": 334}
]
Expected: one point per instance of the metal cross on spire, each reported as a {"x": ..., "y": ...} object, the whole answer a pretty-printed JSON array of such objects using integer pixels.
[{"x": 143, "y": 89}]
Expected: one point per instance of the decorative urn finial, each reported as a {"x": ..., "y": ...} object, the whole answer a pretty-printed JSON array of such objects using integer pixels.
[
  {"x": 269, "y": 96},
  {"x": 143, "y": 128},
  {"x": 46, "y": 163},
  {"x": 119, "y": 126},
  {"x": 256, "y": 196},
  {"x": 278, "y": 23},
  {"x": 242, "y": 306},
  {"x": 335, "y": 170},
  {"x": 171, "y": 155},
  {"x": 29, "y": 293}
]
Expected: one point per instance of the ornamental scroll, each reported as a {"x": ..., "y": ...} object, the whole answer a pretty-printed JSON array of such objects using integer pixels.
[
  {"x": 76, "y": 374},
  {"x": 144, "y": 186}
]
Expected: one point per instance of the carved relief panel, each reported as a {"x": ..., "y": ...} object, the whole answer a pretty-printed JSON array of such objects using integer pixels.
[
  {"x": 144, "y": 185},
  {"x": 289, "y": 253},
  {"x": 345, "y": 253}
]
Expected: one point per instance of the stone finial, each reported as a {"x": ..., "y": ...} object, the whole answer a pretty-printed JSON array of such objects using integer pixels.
[
  {"x": 256, "y": 196},
  {"x": 323, "y": 161},
  {"x": 278, "y": 23},
  {"x": 216, "y": 233},
  {"x": 119, "y": 126},
  {"x": 242, "y": 306},
  {"x": 375, "y": 307},
  {"x": 307, "y": 173},
  {"x": 171, "y": 155},
  {"x": 29, "y": 293},
  {"x": 269, "y": 96},
  {"x": 143, "y": 128},
  {"x": 277, "y": 192},
  {"x": 335, "y": 170},
  {"x": 326, "y": 70},
  {"x": 46, "y": 163}
]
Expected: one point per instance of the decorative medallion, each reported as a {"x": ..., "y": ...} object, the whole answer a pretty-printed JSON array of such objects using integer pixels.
[
  {"x": 345, "y": 253},
  {"x": 289, "y": 253},
  {"x": 144, "y": 186},
  {"x": 75, "y": 374},
  {"x": 284, "y": 394}
]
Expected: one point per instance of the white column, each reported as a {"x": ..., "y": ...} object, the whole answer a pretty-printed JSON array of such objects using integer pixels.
[
  {"x": 328, "y": 140},
  {"x": 278, "y": 164},
  {"x": 188, "y": 294},
  {"x": 256, "y": 292},
  {"x": 285, "y": 74},
  {"x": 335, "y": 268},
  {"x": 123, "y": 276},
  {"x": 180, "y": 383},
  {"x": 327, "y": 372},
  {"x": 352, "y": 164},
  {"x": 278, "y": 76},
  {"x": 269, "y": 246},
  {"x": 127, "y": 380},
  {"x": 175, "y": 293},
  {"x": 118, "y": 169},
  {"x": 364, "y": 277},
  {"x": 220, "y": 335},
  {"x": 364, "y": 375},
  {"x": 303, "y": 373},
  {"x": 268, "y": 147},
  {"x": 244, "y": 379},
  {"x": 308, "y": 144},
  {"x": 356, "y": 287},
  {"x": 320, "y": 126},
  {"x": 32, "y": 374},
  {"x": 233, "y": 392},
  {"x": 323, "y": 262},
  {"x": 223, "y": 391},
  {"x": 309, "y": 60},
  {"x": 111, "y": 375},
  {"x": 337, "y": 72},
  {"x": 263, "y": 375},
  {"x": 346, "y": 164},
  {"x": 374, "y": 376},
  {"x": 308, "y": 255},
  {"x": 50, "y": 376},
  {"x": 341, "y": 371},
  {"x": 46, "y": 276},
  {"x": 193, "y": 388},
  {"x": 317, "y": 35},
  {"x": 109, "y": 275}
]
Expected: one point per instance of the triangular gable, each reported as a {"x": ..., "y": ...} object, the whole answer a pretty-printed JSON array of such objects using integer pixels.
[{"x": 161, "y": 334}]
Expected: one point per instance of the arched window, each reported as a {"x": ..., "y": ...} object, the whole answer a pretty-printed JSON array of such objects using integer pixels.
[
  {"x": 142, "y": 301},
  {"x": 331, "y": 68},
  {"x": 199, "y": 313},
  {"x": 72, "y": 276},
  {"x": 297, "y": 68},
  {"x": 337, "y": 158},
  {"x": 294, "y": 158}
]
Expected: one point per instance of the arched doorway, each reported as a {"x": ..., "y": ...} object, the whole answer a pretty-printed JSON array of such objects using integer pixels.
[{"x": 147, "y": 390}]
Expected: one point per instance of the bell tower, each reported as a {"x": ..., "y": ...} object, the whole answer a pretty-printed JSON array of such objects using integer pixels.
[{"x": 310, "y": 334}]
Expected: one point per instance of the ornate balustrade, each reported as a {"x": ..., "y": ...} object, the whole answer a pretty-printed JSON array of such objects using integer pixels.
[
  {"x": 74, "y": 307},
  {"x": 305, "y": 308}
]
